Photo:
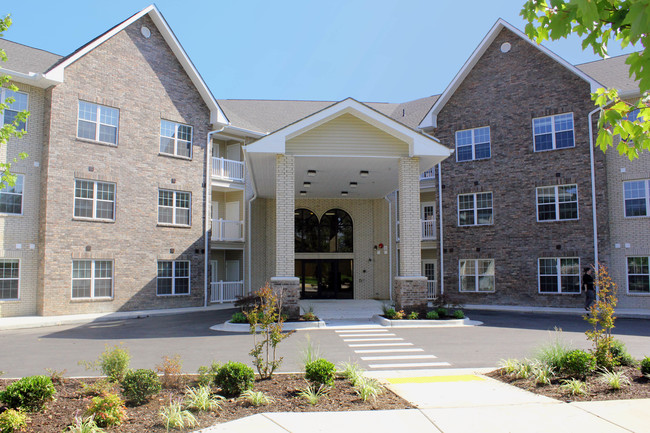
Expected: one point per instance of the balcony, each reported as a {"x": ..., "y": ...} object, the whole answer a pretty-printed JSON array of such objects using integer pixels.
[
  {"x": 428, "y": 230},
  {"x": 227, "y": 169},
  {"x": 431, "y": 290},
  {"x": 225, "y": 230},
  {"x": 226, "y": 291},
  {"x": 429, "y": 174}
]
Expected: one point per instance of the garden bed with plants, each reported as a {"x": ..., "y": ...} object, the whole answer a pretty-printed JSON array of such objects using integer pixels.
[{"x": 439, "y": 313}]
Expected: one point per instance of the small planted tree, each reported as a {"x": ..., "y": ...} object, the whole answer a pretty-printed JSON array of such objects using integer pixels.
[
  {"x": 266, "y": 314},
  {"x": 601, "y": 317}
]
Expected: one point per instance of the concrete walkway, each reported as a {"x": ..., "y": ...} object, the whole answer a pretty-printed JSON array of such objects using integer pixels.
[{"x": 458, "y": 401}]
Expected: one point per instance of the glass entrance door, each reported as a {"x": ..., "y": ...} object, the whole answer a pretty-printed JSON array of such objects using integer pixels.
[{"x": 326, "y": 279}]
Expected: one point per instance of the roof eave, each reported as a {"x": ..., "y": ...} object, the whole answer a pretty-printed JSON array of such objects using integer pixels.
[{"x": 35, "y": 79}]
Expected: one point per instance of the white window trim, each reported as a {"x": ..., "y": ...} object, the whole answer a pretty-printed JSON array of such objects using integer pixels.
[
  {"x": 475, "y": 209},
  {"x": 647, "y": 199},
  {"x": 95, "y": 200},
  {"x": 20, "y": 269},
  {"x": 98, "y": 123},
  {"x": 173, "y": 208},
  {"x": 557, "y": 204},
  {"x": 553, "y": 132},
  {"x": 175, "y": 138},
  {"x": 473, "y": 145},
  {"x": 92, "y": 279},
  {"x": 173, "y": 277},
  {"x": 558, "y": 277},
  {"x": 3, "y": 97},
  {"x": 476, "y": 277},
  {"x": 22, "y": 199},
  {"x": 627, "y": 278}
]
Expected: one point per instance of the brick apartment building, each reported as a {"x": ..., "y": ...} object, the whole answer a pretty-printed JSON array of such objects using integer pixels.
[{"x": 143, "y": 191}]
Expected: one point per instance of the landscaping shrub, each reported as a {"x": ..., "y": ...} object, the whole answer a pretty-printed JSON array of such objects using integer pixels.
[
  {"x": 29, "y": 393},
  {"x": 320, "y": 371},
  {"x": 645, "y": 366},
  {"x": 174, "y": 416},
  {"x": 413, "y": 315},
  {"x": 114, "y": 362},
  {"x": 390, "y": 313},
  {"x": 238, "y": 317},
  {"x": 554, "y": 352},
  {"x": 172, "y": 372},
  {"x": 207, "y": 374},
  {"x": 234, "y": 378},
  {"x": 579, "y": 363},
  {"x": 458, "y": 314},
  {"x": 107, "y": 410},
  {"x": 139, "y": 385},
  {"x": 620, "y": 354},
  {"x": 12, "y": 420},
  {"x": 84, "y": 425},
  {"x": 201, "y": 399},
  {"x": 432, "y": 315},
  {"x": 442, "y": 312}
]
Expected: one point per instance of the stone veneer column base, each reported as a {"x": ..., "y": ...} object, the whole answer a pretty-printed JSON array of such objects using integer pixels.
[
  {"x": 287, "y": 289},
  {"x": 411, "y": 294}
]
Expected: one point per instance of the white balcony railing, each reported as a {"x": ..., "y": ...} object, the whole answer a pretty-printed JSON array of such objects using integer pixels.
[
  {"x": 226, "y": 291},
  {"x": 431, "y": 290},
  {"x": 428, "y": 230},
  {"x": 225, "y": 230},
  {"x": 429, "y": 174},
  {"x": 227, "y": 169}
]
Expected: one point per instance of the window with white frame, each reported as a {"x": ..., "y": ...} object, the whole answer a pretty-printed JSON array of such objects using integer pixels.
[
  {"x": 175, "y": 139},
  {"x": 92, "y": 279},
  {"x": 557, "y": 203},
  {"x": 11, "y": 197},
  {"x": 559, "y": 275},
  {"x": 20, "y": 103},
  {"x": 475, "y": 209},
  {"x": 9, "y": 278},
  {"x": 637, "y": 198},
  {"x": 638, "y": 275},
  {"x": 98, "y": 122},
  {"x": 173, "y": 277},
  {"x": 94, "y": 199},
  {"x": 553, "y": 132},
  {"x": 174, "y": 207},
  {"x": 476, "y": 275},
  {"x": 472, "y": 144}
]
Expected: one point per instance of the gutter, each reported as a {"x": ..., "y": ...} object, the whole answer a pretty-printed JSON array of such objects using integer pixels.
[
  {"x": 441, "y": 241},
  {"x": 593, "y": 187},
  {"x": 390, "y": 249},
  {"x": 32, "y": 78},
  {"x": 249, "y": 224}
]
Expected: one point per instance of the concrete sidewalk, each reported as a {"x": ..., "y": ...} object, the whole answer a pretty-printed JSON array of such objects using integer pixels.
[{"x": 458, "y": 401}]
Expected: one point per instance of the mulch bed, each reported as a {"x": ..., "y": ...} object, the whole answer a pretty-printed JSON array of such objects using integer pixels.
[
  {"x": 596, "y": 389},
  {"x": 283, "y": 388}
]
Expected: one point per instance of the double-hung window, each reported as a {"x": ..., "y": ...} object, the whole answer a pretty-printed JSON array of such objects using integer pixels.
[
  {"x": 553, "y": 132},
  {"x": 11, "y": 197},
  {"x": 559, "y": 275},
  {"x": 476, "y": 275},
  {"x": 9, "y": 278},
  {"x": 20, "y": 103},
  {"x": 638, "y": 275},
  {"x": 93, "y": 199},
  {"x": 174, "y": 207},
  {"x": 475, "y": 209},
  {"x": 92, "y": 279},
  {"x": 173, "y": 278},
  {"x": 175, "y": 139},
  {"x": 557, "y": 203},
  {"x": 98, "y": 122},
  {"x": 473, "y": 144},
  {"x": 637, "y": 198}
]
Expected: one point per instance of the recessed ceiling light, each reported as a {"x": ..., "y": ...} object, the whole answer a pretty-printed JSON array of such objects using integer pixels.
[
  {"x": 303, "y": 192},
  {"x": 353, "y": 184},
  {"x": 311, "y": 173},
  {"x": 306, "y": 185},
  {"x": 344, "y": 193},
  {"x": 364, "y": 173}
]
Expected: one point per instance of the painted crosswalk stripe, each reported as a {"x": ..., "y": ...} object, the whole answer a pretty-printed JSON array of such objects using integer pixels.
[
  {"x": 411, "y": 364},
  {"x": 348, "y": 331},
  {"x": 379, "y": 344},
  {"x": 388, "y": 350},
  {"x": 374, "y": 339},
  {"x": 395, "y": 357},
  {"x": 367, "y": 335}
]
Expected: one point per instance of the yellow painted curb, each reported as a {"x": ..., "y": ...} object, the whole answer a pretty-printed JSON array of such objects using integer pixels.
[{"x": 434, "y": 379}]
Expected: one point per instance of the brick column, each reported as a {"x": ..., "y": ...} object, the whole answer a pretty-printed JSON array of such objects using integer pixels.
[
  {"x": 410, "y": 285},
  {"x": 285, "y": 284}
]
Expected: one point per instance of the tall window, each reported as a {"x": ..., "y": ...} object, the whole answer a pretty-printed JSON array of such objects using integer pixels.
[
  {"x": 333, "y": 234},
  {"x": 20, "y": 103},
  {"x": 175, "y": 139},
  {"x": 93, "y": 199},
  {"x": 473, "y": 144},
  {"x": 11, "y": 197},
  {"x": 174, "y": 207},
  {"x": 92, "y": 279},
  {"x": 173, "y": 278},
  {"x": 553, "y": 132},
  {"x": 98, "y": 122},
  {"x": 476, "y": 275},
  {"x": 556, "y": 203},
  {"x": 475, "y": 209},
  {"x": 638, "y": 275},
  {"x": 559, "y": 275},
  {"x": 637, "y": 198},
  {"x": 9, "y": 278}
]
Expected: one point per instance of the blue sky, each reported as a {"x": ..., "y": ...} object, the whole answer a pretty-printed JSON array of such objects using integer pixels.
[{"x": 371, "y": 50}]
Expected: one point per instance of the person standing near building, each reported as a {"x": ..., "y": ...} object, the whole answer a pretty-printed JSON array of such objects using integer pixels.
[{"x": 588, "y": 286}]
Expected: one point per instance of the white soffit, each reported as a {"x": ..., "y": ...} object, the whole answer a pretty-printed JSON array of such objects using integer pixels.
[
  {"x": 217, "y": 116},
  {"x": 430, "y": 120}
]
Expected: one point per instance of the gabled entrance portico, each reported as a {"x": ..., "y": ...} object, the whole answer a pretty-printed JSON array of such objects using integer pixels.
[{"x": 348, "y": 158}]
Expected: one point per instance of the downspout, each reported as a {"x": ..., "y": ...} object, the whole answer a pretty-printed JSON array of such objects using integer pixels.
[
  {"x": 441, "y": 243},
  {"x": 248, "y": 231},
  {"x": 593, "y": 187},
  {"x": 208, "y": 201},
  {"x": 390, "y": 249}
]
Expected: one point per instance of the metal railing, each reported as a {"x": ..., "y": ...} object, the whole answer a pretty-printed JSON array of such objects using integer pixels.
[
  {"x": 429, "y": 174},
  {"x": 431, "y": 290},
  {"x": 225, "y": 230},
  {"x": 227, "y": 169},
  {"x": 226, "y": 291},
  {"x": 428, "y": 230}
]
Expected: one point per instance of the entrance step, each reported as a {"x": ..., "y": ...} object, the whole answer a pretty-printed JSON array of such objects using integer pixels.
[{"x": 342, "y": 309}]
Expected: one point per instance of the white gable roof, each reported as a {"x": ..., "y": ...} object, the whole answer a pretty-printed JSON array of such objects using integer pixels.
[
  {"x": 217, "y": 116},
  {"x": 430, "y": 120}
]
